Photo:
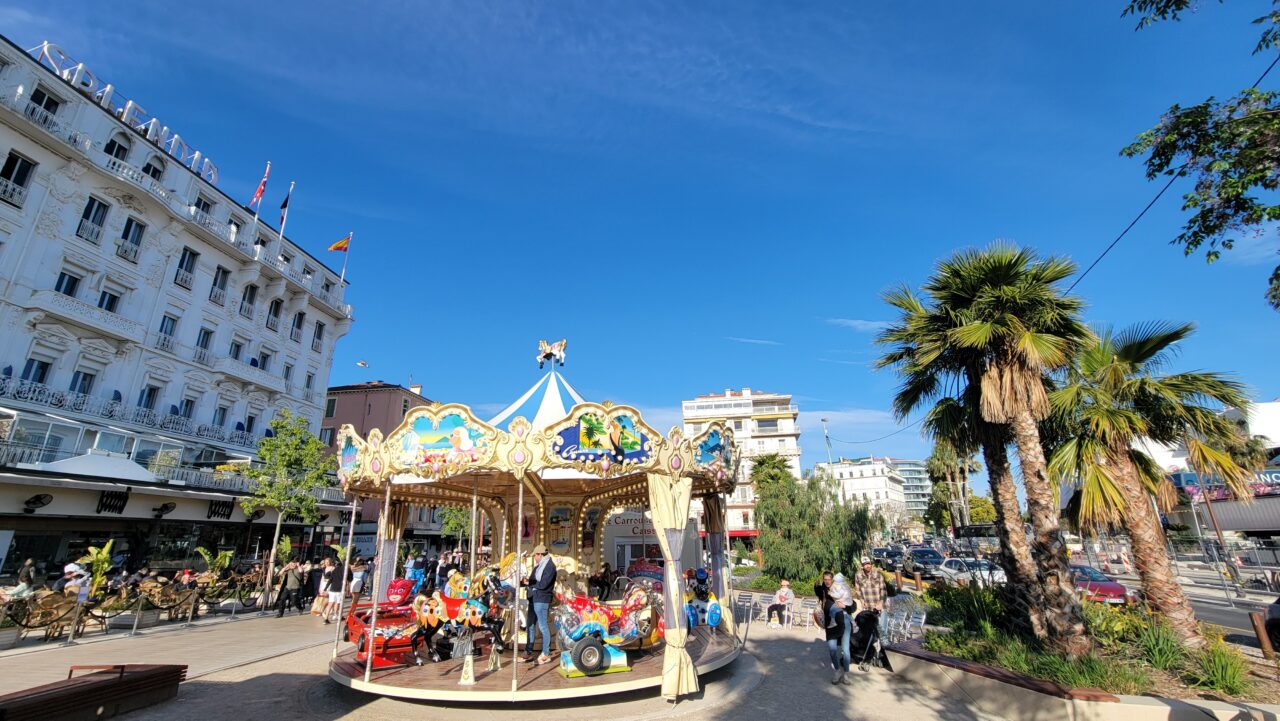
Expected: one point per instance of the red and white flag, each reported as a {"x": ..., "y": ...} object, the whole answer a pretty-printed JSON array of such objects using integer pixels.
[{"x": 262, "y": 187}]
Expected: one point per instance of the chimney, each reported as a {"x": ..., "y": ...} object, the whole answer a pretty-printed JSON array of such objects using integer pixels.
[
  {"x": 728, "y": 393},
  {"x": 746, "y": 391},
  {"x": 416, "y": 389}
]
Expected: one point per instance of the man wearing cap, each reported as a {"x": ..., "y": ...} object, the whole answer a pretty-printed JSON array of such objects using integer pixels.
[
  {"x": 782, "y": 601},
  {"x": 541, "y": 585},
  {"x": 870, "y": 586}
]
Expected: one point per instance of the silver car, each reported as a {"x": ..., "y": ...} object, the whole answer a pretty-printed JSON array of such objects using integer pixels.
[{"x": 977, "y": 571}]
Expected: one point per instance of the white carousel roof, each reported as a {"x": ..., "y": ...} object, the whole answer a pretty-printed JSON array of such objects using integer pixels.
[{"x": 548, "y": 401}]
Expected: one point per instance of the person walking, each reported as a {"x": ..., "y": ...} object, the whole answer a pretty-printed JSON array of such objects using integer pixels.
[
  {"x": 359, "y": 571},
  {"x": 429, "y": 574},
  {"x": 541, "y": 585},
  {"x": 869, "y": 585},
  {"x": 782, "y": 601},
  {"x": 331, "y": 587},
  {"x": 290, "y": 586},
  {"x": 836, "y": 629}
]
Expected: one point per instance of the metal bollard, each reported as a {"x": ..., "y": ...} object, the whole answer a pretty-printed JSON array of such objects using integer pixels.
[
  {"x": 919, "y": 583},
  {"x": 191, "y": 612},
  {"x": 897, "y": 577},
  {"x": 1264, "y": 639},
  {"x": 235, "y": 603},
  {"x": 75, "y": 621},
  {"x": 137, "y": 615}
]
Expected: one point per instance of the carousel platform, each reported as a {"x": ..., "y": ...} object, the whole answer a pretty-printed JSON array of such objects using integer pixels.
[{"x": 710, "y": 649}]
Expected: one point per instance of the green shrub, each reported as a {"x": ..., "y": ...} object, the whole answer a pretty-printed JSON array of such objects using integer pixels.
[
  {"x": 1112, "y": 626},
  {"x": 763, "y": 582},
  {"x": 964, "y": 607},
  {"x": 1220, "y": 668},
  {"x": 1159, "y": 645}
]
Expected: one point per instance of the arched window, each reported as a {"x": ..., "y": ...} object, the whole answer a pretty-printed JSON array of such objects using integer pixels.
[
  {"x": 118, "y": 147},
  {"x": 154, "y": 167}
]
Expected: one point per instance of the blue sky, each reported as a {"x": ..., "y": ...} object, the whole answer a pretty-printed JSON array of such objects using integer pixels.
[{"x": 697, "y": 195}]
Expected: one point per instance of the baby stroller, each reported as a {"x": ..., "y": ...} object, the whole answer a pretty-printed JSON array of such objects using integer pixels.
[{"x": 865, "y": 648}]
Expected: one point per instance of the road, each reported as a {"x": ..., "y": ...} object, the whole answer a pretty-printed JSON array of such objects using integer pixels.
[{"x": 1234, "y": 621}]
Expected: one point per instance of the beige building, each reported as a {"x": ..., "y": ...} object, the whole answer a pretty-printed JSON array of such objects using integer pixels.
[{"x": 762, "y": 423}]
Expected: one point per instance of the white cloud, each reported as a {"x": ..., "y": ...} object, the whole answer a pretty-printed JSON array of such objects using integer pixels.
[
  {"x": 752, "y": 341},
  {"x": 1256, "y": 248},
  {"x": 862, "y": 326}
]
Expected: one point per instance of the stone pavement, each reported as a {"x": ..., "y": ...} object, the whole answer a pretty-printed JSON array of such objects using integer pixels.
[
  {"x": 207, "y": 646},
  {"x": 785, "y": 677}
]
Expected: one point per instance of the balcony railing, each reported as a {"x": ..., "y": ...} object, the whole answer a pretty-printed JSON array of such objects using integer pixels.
[
  {"x": 295, "y": 335},
  {"x": 183, "y": 278},
  {"x": 211, "y": 224},
  {"x": 273, "y": 323},
  {"x": 247, "y": 309},
  {"x": 128, "y": 250},
  {"x": 43, "y": 118},
  {"x": 317, "y": 344},
  {"x": 163, "y": 341},
  {"x": 12, "y": 193},
  {"x": 249, "y": 373},
  {"x": 98, "y": 409},
  {"x": 89, "y": 230},
  {"x": 201, "y": 356},
  {"x": 134, "y": 175},
  {"x": 88, "y": 316},
  {"x": 218, "y": 295}
]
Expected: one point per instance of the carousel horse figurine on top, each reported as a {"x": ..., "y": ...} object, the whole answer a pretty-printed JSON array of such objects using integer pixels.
[{"x": 553, "y": 352}]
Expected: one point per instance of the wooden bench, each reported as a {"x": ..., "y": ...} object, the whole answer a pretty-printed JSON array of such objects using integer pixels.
[{"x": 104, "y": 692}]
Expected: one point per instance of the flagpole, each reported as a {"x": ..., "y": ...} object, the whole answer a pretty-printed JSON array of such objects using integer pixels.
[
  {"x": 285, "y": 216},
  {"x": 342, "y": 277},
  {"x": 258, "y": 207}
]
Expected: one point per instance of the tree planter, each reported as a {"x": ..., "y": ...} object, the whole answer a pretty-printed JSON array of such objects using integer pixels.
[
  {"x": 150, "y": 617},
  {"x": 1016, "y": 697},
  {"x": 9, "y": 637}
]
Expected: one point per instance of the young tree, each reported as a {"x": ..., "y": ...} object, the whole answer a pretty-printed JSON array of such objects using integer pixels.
[
  {"x": 981, "y": 509},
  {"x": 455, "y": 521},
  {"x": 1230, "y": 147},
  {"x": 294, "y": 468}
]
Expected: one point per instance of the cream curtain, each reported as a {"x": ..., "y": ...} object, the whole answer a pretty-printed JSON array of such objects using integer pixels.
[
  {"x": 669, "y": 507},
  {"x": 713, "y": 519},
  {"x": 390, "y": 527}
]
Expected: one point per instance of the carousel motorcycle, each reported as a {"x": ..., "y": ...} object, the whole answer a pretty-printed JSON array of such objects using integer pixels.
[
  {"x": 701, "y": 607},
  {"x": 596, "y": 633},
  {"x": 458, "y": 613}
]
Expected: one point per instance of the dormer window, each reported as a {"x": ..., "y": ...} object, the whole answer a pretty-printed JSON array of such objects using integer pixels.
[
  {"x": 117, "y": 147},
  {"x": 154, "y": 167}
]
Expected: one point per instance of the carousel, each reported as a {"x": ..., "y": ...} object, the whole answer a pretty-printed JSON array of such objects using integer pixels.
[{"x": 547, "y": 472}]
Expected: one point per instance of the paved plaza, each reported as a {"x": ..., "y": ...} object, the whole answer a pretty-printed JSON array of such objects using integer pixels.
[{"x": 268, "y": 668}]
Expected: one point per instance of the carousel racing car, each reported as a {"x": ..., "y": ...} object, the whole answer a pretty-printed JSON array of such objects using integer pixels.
[
  {"x": 701, "y": 607},
  {"x": 596, "y": 634}
]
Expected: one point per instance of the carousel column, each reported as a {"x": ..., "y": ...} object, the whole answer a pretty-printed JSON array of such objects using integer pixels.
[
  {"x": 379, "y": 573},
  {"x": 515, "y": 618},
  {"x": 713, "y": 507},
  {"x": 346, "y": 573}
]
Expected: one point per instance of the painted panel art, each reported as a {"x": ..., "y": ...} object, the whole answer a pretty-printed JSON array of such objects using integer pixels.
[
  {"x": 348, "y": 457},
  {"x": 560, "y": 529},
  {"x": 451, "y": 441},
  {"x": 596, "y": 437}
]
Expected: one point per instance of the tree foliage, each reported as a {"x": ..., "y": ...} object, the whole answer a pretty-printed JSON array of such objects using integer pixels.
[
  {"x": 214, "y": 562},
  {"x": 1231, "y": 148},
  {"x": 294, "y": 467},
  {"x": 456, "y": 523},
  {"x": 804, "y": 527},
  {"x": 981, "y": 509}
]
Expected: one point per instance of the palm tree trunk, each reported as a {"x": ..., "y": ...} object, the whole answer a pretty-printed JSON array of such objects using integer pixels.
[
  {"x": 1023, "y": 597},
  {"x": 1064, "y": 618},
  {"x": 1159, "y": 584}
]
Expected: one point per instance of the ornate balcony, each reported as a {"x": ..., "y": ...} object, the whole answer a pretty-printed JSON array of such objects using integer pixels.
[
  {"x": 82, "y": 314},
  {"x": 128, "y": 250},
  {"x": 218, "y": 295},
  {"x": 249, "y": 374},
  {"x": 12, "y": 193},
  {"x": 247, "y": 309},
  {"x": 89, "y": 230},
  {"x": 183, "y": 278},
  {"x": 134, "y": 175}
]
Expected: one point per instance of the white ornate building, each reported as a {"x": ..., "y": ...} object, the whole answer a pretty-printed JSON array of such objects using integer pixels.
[
  {"x": 144, "y": 314},
  {"x": 763, "y": 423}
]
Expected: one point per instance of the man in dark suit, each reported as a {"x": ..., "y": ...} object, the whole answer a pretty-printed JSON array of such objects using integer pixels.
[{"x": 541, "y": 585}]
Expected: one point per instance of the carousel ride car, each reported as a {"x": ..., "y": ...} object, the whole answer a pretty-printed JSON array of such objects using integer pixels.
[
  {"x": 595, "y": 636},
  {"x": 701, "y": 607}
]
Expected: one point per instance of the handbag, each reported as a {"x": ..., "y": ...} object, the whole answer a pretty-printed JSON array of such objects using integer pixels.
[
  {"x": 318, "y": 605},
  {"x": 818, "y": 619}
]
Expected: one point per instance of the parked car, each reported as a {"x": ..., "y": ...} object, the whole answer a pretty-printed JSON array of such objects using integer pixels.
[
  {"x": 925, "y": 560},
  {"x": 892, "y": 560},
  {"x": 971, "y": 570},
  {"x": 877, "y": 554},
  {"x": 1097, "y": 586}
]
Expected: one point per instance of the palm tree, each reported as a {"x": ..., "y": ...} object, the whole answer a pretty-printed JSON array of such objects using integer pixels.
[
  {"x": 928, "y": 363},
  {"x": 1114, "y": 395},
  {"x": 996, "y": 323}
]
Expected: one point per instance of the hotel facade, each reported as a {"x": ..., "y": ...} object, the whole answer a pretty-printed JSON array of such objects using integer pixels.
[{"x": 151, "y": 329}]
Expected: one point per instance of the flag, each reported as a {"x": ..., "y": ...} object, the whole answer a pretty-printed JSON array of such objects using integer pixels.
[
  {"x": 262, "y": 187},
  {"x": 284, "y": 207},
  {"x": 341, "y": 245}
]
